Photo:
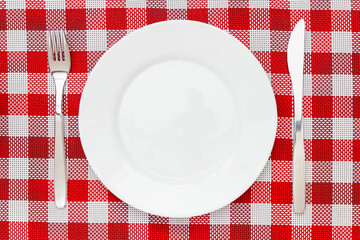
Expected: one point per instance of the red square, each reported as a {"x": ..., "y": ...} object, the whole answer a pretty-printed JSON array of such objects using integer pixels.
[
  {"x": 158, "y": 231},
  {"x": 280, "y": 19},
  {"x": 38, "y": 230},
  {"x": 77, "y": 231},
  {"x": 198, "y": 14},
  {"x": 37, "y": 62},
  {"x": 279, "y": 62},
  {"x": 154, "y": 15},
  {"x": 322, "y": 193},
  {"x": 321, "y": 63},
  {"x": 321, "y": 232},
  {"x": 284, "y": 105},
  {"x": 322, "y": 106},
  {"x": 38, "y": 147},
  {"x": 245, "y": 197},
  {"x": 73, "y": 104},
  {"x": 240, "y": 232},
  {"x": 356, "y": 106},
  {"x": 116, "y": 18},
  {"x": 79, "y": 62},
  {"x": 2, "y": 19},
  {"x": 4, "y": 147},
  {"x": 4, "y": 189},
  {"x": 199, "y": 232},
  {"x": 35, "y": 19},
  {"x": 239, "y": 18},
  {"x": 320, "y": 20},
  {"x": 356, "y": 232},
  {"x": 322, "y": 150},
  {"x": 282, "y": 149},
  {"x": 38, "y": 104},
  {"x": 78, "y": 190},
  {"x": 76, "y": 19},
  {"x": 355, "y": 17},
  {"x": 356, "y": 63},
  {"x": 281, "y": 192},
  {"x": 112, "y": 197},
  {"x": 356, "y": 150},
  {"x": 4, "y": 104},
  {"x": 3, "y": 62},
  {"x": 356, "y": 193},
  {"x": 75, "y": 149},
  {"x": 4, "y": 230},
  {"x": 38, "y": 190},
  {"x": 118, "y": 231},
  {"x": 279, "y": 232}
]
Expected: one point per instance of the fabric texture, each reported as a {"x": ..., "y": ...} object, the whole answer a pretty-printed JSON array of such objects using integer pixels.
[{"x": 331, "y": 110}]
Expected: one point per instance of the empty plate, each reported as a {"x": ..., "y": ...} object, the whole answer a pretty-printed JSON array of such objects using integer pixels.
[{"x": 178, "y": 119}]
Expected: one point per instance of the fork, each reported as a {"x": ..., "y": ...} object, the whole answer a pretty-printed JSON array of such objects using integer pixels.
[{"x": 60, "y": 64}]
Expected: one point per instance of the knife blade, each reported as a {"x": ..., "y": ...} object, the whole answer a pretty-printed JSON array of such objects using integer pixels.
[{"x": 295, "y": 59}]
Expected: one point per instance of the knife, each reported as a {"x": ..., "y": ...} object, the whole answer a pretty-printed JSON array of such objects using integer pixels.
[{"x": 295, "y": 59}]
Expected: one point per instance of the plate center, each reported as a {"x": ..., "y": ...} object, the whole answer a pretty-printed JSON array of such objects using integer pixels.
[{"x": 177, "y": 119}]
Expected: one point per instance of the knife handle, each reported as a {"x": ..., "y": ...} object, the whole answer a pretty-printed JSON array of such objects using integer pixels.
[
  {"x": 60, "y": 164},
  {"x": 299, "y": 169}
]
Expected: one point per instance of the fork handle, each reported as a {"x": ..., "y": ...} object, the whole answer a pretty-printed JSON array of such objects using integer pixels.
[{"x": 60, "y": 164}]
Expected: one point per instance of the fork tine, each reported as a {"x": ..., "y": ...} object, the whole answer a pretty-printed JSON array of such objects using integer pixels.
[
  {"x": 49, "y": 46},
  {"x": 66, "y": 46},
  {"x": 60, "y": 42},
  {"x": 58, "y": 45}
]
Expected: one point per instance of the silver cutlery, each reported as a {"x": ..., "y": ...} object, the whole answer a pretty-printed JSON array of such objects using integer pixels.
[
  {"x": 295, "y": 59},
  {"x": 59, "y": 63}
]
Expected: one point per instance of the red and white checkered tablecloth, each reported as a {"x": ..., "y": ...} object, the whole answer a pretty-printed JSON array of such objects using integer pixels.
[{"x": 331, "y": 120}]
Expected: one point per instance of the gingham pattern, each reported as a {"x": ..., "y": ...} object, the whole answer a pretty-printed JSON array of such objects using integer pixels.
[{"x": 331, "y": 120}]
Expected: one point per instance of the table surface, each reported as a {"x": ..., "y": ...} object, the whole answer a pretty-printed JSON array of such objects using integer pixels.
[{"x": 331, "y": 120}]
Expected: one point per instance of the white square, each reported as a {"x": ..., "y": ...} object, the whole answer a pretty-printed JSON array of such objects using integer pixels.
[
  {"x": 341, "y": 42},
  {"x": 18, "y": 83},
  {"x": 51, "y": 85},
  {"x": 96, "y": 40},
  {"x": 259, "y": 4},
  {"x": 218, "y": 3},
  {"x": 342, "y": 215},
  {"x": 18, "y": 211},
  {"x": 18, "y": 126},
  {"x": 176, "y": 4},
  {"x": 304, "y": 219},
  {"x": 260, "y": 40},
  {"x": 342, "y": 85},
  {"x": 95, "y": 4},
  {"x": 342, "y": 172},
  {"x": 51, "y": 126},
  {"x": 51, "y": 168},
  {"x": 299, "y": 5},
  {"x": 15, "y": 4},
  {"x": 66, "y": 126},
  {"x": 16, "y": 40},
  {"x": 137, "y": 216},
  {"x": 265, "y": 175},
  {"x": 55, "y": 4},
  {"x": 18, "y": 168},
  {"x": 98, "y": 212},
  {"x": 307, "y": 87},
  {"x": 343, "y": 128},
  {"x": 260, "y": 214},
  {"x": 179, "y": 221},
  {"x": 307, "y": 128},
  {"x": 220, "y": 216},
  {"x": 136, "y": 3},
  {"x": 91, "y": 174},
  {"x": 340, "y": 4},
  {"x": 57, "y": 215}
]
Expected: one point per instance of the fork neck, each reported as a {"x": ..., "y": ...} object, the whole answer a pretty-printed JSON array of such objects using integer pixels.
[{"x": 60, "y": 78}]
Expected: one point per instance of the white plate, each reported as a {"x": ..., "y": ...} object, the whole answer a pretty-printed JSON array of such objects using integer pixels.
[{"x": 178, "y": 119}]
